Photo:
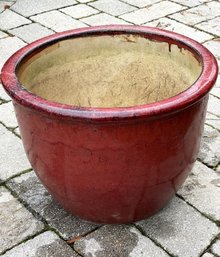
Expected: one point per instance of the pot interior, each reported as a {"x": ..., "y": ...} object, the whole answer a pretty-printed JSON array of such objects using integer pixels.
[{"x": 109, "y": 71}]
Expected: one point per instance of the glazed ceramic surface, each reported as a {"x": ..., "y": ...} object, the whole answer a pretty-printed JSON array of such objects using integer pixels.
[{"x": 111, "y": 117}]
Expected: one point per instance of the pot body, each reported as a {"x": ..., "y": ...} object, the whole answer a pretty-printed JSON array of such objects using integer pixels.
[{"x": 113, "y": 172}]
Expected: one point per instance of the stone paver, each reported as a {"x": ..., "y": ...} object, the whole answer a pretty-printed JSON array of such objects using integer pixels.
[
  {"x": 168, "y": 24},
  {"x": 8, "y": 46},
  {"x": 218, "y": 62},
  {"x": 216, "y": 248},
  {"x": 79, "y": 11},
  {"x": 213, "y": 46},
  {"x": 3, "y": 34},
  {"x": 213, "y": 120},
  {"x": 36, "y": 196},
  {"x": 7, "y": 115},
  {"x": 3, "y": 95},
  {"x": 113, "y": 7},
  {"x": 153, "y": 12},
  {"x": 5, "y": 5},
  {"x": 122, "y": 241},
  {"x": 12, "y": 158},
  {"x": 17, "y": 223},
  {"x": 217, "y": 83},
  {"x": 214, "y": 105},
  {"x": 209, "y": 149},
  {"x": 202, "y": 190},
  {"x": 141, "y": 3},
  {"x": 84, "y": 1},
  {"x": 57, "y": 21},
  {"x": 180, "y": 229},
  {"x": 31, "y": 32},
  {"x": 191, "y": 3},
  {"x": 216, "y": 92},
  {"x": 208, "y": 255},
  {"x": 28, "y": 8},
  {"x": 9, "y": 20},
  {"x": 102, "y": 19},
  {"x": 47, "y": 244},
  {"x": 198, "y": 14},
  {"x": 211, "y": 26}
]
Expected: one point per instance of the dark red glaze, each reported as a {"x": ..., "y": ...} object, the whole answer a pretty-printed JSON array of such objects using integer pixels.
[{"x": 113, "y": 165}]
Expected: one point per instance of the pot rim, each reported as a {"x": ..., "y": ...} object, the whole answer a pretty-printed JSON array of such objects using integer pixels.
[{"x": 173, "y": 104}]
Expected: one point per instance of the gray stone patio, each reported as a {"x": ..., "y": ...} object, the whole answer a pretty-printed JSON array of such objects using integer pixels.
[{"x": 31, "y": 223}]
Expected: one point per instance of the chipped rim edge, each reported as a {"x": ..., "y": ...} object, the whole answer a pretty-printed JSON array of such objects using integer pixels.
[{"x": 173, "y": 104}]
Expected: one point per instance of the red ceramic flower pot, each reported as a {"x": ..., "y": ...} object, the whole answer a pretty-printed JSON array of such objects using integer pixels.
[{"x": 111, "y": 117}]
